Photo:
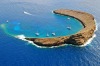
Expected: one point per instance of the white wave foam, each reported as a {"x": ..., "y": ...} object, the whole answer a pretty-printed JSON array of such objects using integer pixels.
[
  {"x": 27, "y": 13},
  {"x": 22, "y": 37},
  {"x": 96, "y": 25},
  {"x": 90, "y": 40}
]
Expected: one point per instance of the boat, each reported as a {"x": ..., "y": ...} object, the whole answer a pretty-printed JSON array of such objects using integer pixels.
[
  {"x": 53, "y": 34},
  {"x": 68, "y": 18},
  {"x": 69, "y": 28},
  {"x": 47, "y": 35},
  {"x": 7, "y": 21},
  {"x": 37, "y": 34}
]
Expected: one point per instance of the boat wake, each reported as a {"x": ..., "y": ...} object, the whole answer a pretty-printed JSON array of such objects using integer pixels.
[{"x": 27, "y": 13}]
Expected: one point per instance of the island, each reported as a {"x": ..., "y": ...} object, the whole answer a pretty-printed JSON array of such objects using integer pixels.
[{"x": 80, "y": 38}]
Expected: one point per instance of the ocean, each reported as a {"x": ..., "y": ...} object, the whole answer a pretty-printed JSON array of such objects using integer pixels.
[{"x": 18, "y": 17}]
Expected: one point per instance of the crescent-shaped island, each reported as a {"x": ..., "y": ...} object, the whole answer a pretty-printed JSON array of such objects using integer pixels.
[{"x": 80, "y": 38}]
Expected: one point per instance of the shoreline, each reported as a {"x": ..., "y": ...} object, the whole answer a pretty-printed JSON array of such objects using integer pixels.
[
  {"x": 31, "y": 42},
  {"x": 22, "y": 37},
  {"x": 80, "y": 38}
]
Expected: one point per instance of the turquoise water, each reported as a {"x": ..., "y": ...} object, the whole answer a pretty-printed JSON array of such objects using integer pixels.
[
  {"x": 15, "y": 52},
  {"x": 52, "y": 24},
  {"x": 28, "y": 23}
]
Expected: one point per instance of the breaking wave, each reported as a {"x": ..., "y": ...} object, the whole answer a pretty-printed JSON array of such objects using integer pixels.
[
  {"x": 22, "y": 37},
  {"x": 90, "y": 40}
]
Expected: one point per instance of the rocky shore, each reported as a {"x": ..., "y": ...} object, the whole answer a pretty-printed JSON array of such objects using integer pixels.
[{"x": 79, "y": 38}]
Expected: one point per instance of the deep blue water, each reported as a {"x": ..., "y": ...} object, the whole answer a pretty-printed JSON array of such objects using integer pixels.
[{"x": 15, "y": 52}]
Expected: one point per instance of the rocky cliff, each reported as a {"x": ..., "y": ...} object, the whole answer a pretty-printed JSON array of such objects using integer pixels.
[{"x": 77, "y": 39}]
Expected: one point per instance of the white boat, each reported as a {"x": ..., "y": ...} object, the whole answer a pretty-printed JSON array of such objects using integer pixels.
[
  {"x": 69, "y": 28},
  {"x": 53, "y": 34},
  {"x": 68, "y": 18},
  {"x": 37, "y": 34},
  {"x": 27, "y": 13},
  {"x": 47, "y": 35},
  {"x": 7, "y": 21}
]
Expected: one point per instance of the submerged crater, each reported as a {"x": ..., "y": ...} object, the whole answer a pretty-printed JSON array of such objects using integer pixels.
[
  {"x": 63, "y": 27},
  {"x": 55, "y": 25},
  {"x": 79, "y": 38}
]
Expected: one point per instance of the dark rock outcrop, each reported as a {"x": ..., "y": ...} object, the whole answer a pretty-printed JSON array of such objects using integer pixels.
[{"x": 77, "y": 39}]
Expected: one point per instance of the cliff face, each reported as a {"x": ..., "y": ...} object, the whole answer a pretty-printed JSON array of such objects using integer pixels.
[
  {"x": 77, "y": 39},
  {"x": 49, "y": 41},
  {"x": 80, "y": 38}
]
